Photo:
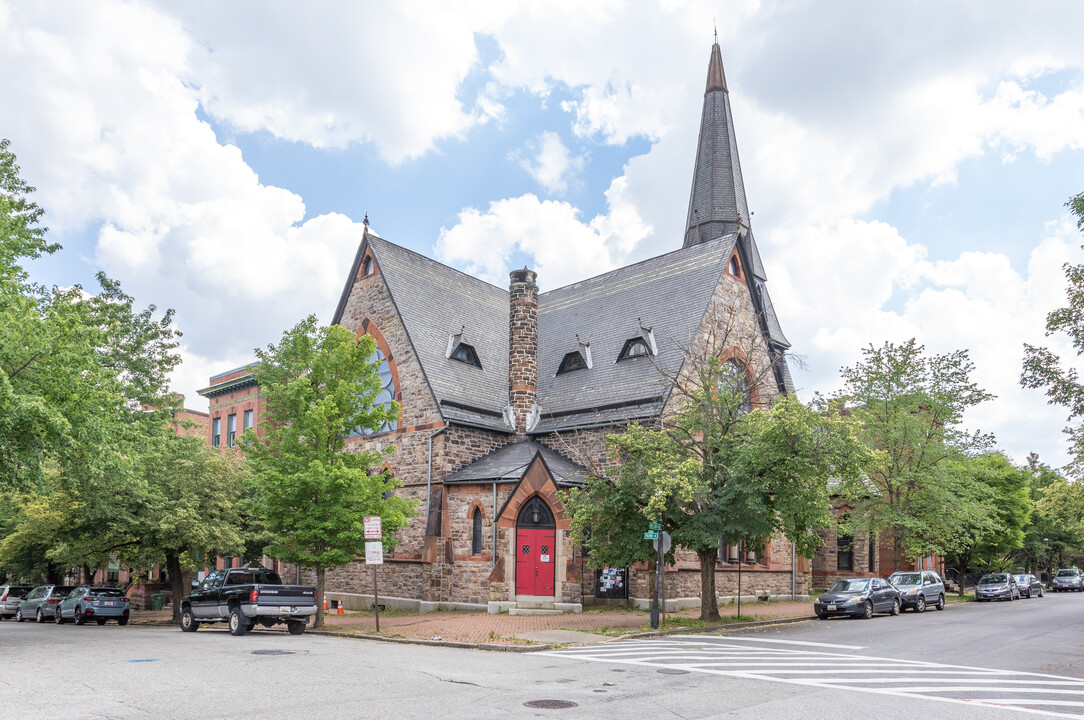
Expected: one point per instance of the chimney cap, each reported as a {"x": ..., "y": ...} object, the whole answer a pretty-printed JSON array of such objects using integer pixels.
[{"x": 522, "y": 276}]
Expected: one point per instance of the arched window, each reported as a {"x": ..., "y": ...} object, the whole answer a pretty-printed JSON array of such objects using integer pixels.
[
  {"x": 634, "y": 347},
  {"x": 367, "y": 265},
  {"x": 734, "y": 268},
  {"x": 476, "y": 532},
  {"x": 384, "y": 398},
  {"x": 734, "y": 383}
]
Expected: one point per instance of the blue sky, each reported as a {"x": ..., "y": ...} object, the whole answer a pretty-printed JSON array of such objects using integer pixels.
[{"x": 908, "y": 177}]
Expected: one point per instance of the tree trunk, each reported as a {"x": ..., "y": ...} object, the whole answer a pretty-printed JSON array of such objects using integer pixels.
[
  {"x": 52, "y": 574},
  {"x": 88, "y": 574},
  {"x": 897, "y": 550},
  {"x": 179, "y": 579},
  {"x": 319, "y": 597},
  {"x": 709, "y": 601},
  {"x": 963, "y": 572}
]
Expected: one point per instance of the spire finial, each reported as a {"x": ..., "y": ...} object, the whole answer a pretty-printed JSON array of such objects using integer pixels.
[
  {"x": 366, "y": 220},
  {"x": 714, "y": 25}
]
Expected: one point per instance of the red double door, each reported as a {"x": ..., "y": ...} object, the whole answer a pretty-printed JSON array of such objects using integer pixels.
[{"x": 535, "y": 561}]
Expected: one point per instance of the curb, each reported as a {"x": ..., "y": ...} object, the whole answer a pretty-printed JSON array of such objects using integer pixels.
[{"x": 492, "y": 647}]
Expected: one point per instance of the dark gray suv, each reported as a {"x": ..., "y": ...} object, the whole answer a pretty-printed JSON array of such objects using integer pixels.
[
  {"x": 1067, "y": 580},
  {"x": 919, "y": 589}
]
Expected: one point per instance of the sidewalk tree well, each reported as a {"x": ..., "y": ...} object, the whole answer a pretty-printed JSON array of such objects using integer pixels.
[
  {"x": 908, "y": 407},
  {"x": 724, "y": 465},
  {"x": 311, "y": 490},
  {"x": 1044, "y": 369}
]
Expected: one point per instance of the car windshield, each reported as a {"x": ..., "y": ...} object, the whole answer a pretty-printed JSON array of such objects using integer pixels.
[
  {"x": 61, "y": 590},
  {"x": 1066, "y": 573},
  {"x": 849, "y": 586},
  {"x": 905, "y": 579},
  {"x": 107, "y": 592},
  {"x": 992, "y": 579}
]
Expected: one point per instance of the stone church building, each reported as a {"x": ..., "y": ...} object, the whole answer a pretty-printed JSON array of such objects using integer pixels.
[{"x": 507, "y": 393}]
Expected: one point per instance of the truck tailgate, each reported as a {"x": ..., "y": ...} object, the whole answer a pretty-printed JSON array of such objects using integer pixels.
[{"x": 285, "y": 595}]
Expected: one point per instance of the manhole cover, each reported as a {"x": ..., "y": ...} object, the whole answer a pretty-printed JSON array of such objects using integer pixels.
[
  {"x": 673, "y": 671},
  {"x": 272, "y": 652},
  {"x": 550, "y": 704}
]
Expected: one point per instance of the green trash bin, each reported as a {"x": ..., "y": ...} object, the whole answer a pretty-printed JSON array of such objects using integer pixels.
[{"x": 158, "y": 601}]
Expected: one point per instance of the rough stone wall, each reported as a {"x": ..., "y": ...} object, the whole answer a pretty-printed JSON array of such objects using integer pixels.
[
  {"x": 522, "y": 345},
  {"x": 825, "y": 560}
]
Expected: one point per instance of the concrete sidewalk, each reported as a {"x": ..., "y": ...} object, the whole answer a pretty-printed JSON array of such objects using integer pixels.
[{"x": 474, "y": 628}]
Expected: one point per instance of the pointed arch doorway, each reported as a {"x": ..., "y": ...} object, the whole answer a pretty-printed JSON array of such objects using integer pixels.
[{"x": 536, "y": 548}]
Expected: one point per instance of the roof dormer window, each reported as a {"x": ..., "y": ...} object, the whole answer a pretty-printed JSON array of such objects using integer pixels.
[
  {"x": 461, "y": 351},
  {"x": 465, "y": 353},
  {"x": 572, "y": 361},
  {"x": 734, "y": 268},
  {"x": 639, "y": 346},
  {"x": 634, "y": 347},
  {"x": 577, "y": 359}
]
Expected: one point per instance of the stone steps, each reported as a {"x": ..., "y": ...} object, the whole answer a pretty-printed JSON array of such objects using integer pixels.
[{"x": 534, "y": 611}]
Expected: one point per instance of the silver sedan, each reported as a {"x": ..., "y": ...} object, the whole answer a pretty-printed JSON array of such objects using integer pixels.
[{"x": 100, "y": 604}]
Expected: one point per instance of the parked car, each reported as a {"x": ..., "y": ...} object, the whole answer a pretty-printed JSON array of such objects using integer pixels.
[
  {"x": 10, "y": 597},
  {"x": 93, "y": 603},
  {"x": 244, "y": 596},
  {"x": 1029, "y": 586},
  {"x": 1067, "y": 580},
  {"x": 860, "y": 597},
  {"x": 919, "y": 589},
  {"x": 40, "y": 603},
  {"x": 997, "y": 586}
]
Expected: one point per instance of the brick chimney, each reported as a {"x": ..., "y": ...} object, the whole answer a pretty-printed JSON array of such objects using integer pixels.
[{"x": 522, "y": 346}]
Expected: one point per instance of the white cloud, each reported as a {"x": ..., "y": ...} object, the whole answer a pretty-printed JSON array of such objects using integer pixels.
[{"x": 552, "y": 164}]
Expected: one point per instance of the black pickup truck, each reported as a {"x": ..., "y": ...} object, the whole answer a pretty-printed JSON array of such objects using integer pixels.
[{"x": 244, "y": 596}]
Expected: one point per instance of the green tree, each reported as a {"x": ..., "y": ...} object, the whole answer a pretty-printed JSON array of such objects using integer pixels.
[
  {"x": 1002, "y": 494},
  {"x": 310, "y": 490},
  {"x": 723, "y": 466},
  {"x": 1044, "y": 369},
  {"x": 76, "y": 372},
  {"x": 909, "y": 408},
  {"x": 1046, "y": 537},
  {"x": 192, "y": 506}
]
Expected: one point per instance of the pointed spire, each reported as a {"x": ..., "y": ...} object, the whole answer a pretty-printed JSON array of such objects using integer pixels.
[
  {"x": 717, "y": 203},
  {"x": 716, "y": 77}
]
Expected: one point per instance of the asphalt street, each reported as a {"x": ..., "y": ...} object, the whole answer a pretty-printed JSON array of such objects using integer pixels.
[{"x": 970, "y": 661}]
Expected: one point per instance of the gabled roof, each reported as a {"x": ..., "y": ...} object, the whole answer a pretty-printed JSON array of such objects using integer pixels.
[
  {"x": 510, "y": 462},
  {"x": 436, "y": 301},
  {"x": 668, "y": 294}
]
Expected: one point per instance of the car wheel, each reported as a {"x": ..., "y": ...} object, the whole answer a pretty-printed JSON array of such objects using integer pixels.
[
  {"x": 920, "y": 604},
  {"x": 80, "y": 618},
  {"x": 238, "y": 626},
  {"x": 867, "y": 610},
  {"x": 296, "y": 627},
  {"x": 122, "y": 621},
  {"x": 39, "y": 616},
  {"x": 822, "y": 616},
  {"x": 895, "y": 607},
  {"x": 19, "y": 615},
  {"x": 58, "y": 618},
  {"x": 188, "y": 621},
  {"x": 101, "y": 621},
  {"x": 940, "y": 602}
]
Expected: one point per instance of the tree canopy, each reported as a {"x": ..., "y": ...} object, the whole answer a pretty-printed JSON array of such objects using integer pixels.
[
  {"x": 1042, "y": 366},
  {"x": 311, "y": 490},
  {"x": 908, "y": 407}
]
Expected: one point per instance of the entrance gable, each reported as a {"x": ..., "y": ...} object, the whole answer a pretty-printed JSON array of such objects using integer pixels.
[{"x": 536, "y": 481}]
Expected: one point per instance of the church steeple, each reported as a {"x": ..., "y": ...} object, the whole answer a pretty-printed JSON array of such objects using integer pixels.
[{"x": 717, "y": 204}]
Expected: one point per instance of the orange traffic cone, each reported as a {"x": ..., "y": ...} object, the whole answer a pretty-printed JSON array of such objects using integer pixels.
[
  {"x": 325, "y": 602},
  {"x": 339, "y": 607}
]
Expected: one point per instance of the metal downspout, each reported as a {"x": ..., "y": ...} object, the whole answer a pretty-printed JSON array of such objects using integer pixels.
[
  {"x": 429, "y": 476},
  {"x": 494, "y": 523}
]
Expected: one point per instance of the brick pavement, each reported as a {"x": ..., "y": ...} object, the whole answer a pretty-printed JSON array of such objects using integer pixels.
[{"x": 480, "y": 627}]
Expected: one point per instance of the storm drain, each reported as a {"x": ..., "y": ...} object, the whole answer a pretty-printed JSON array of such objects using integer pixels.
[
  {"x": 272, "y": 652},
  {"x": 550, "y": 704},
  {"x": 673, "y": 671}
]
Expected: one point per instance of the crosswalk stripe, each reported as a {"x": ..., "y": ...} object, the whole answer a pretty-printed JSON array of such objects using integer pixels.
[{"x": 801, "y": 664}]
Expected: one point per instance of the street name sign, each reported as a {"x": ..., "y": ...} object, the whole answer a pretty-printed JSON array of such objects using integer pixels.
[{"x": 651, "y": 535}]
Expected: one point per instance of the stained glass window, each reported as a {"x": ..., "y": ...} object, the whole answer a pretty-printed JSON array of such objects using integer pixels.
[{"x": 384, "y": 398}]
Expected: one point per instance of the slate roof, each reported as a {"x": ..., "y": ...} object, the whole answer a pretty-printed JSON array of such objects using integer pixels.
[
  {"x": 668, "y": 294},
  {"x": 510, "y": 462}
]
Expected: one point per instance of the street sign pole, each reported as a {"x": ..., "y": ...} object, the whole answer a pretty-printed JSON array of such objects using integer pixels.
[
  {"x": 658, "y": 578},
  {"x": 374, "y": 555},
  {"x": 376, "y": 600}
]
